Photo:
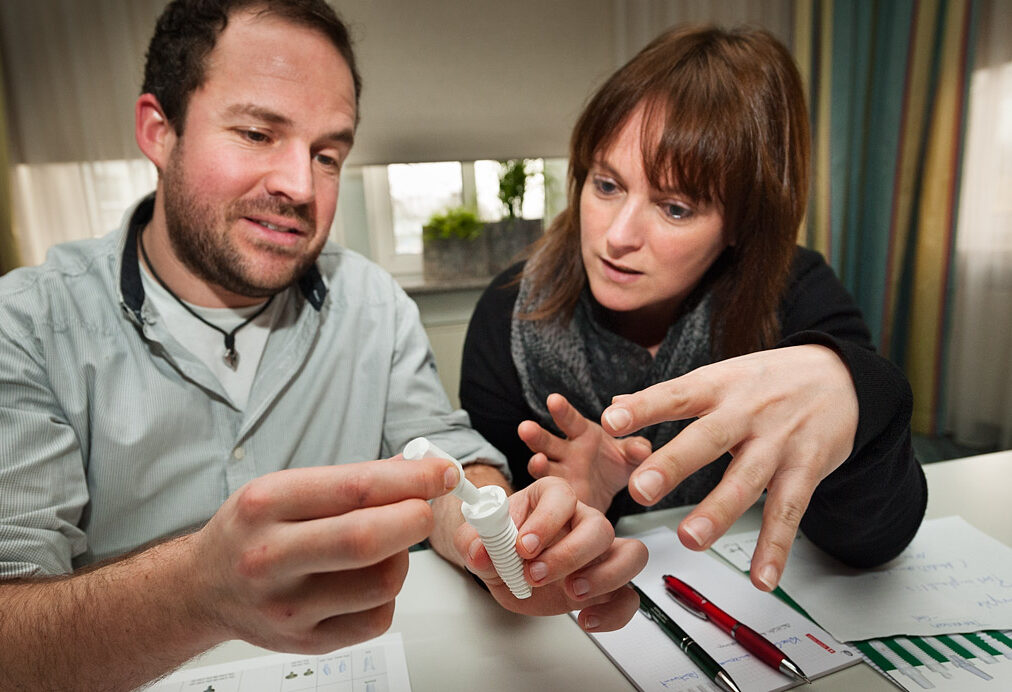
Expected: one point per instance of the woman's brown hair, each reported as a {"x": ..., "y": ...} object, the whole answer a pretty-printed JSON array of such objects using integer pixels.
[{"x": 725, "y": 122}]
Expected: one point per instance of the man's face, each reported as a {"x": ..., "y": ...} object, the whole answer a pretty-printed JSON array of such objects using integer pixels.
[{"x": 250, "y": 188}]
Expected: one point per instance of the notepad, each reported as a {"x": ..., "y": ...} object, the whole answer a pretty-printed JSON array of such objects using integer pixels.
[{"x": 651, "y": 660}]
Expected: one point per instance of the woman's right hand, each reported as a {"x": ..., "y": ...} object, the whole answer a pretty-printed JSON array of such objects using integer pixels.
[{"x": 595, "y": 464}]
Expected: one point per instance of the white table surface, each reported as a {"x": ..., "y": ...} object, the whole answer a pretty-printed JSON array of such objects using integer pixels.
[{"x": 457, "y": 638}]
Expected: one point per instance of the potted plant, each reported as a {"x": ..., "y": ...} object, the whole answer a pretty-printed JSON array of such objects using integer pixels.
[
  {"x": 452, "y": 247},
  {"x": 508, "y": 237}
]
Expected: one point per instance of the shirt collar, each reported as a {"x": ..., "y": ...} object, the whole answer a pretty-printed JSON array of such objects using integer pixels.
[{"x": 311, "y": 284}]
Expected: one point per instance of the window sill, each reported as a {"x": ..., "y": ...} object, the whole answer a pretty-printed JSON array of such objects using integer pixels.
[
  {"x": 417, "y": 284},
  {"x": 443, "y": 303}
]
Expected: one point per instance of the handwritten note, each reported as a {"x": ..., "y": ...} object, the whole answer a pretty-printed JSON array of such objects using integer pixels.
[
  {"x": 737, "y": 548},
  {"x": 951, "y": 578}
]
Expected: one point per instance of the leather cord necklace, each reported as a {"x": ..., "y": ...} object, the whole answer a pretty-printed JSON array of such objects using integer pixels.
[{"x": 231, "y": 356}]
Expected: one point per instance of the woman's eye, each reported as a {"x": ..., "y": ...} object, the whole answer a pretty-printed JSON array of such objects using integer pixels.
[
  {"x": 675, "y": 210},
  {"x": 605, "y": 186}
]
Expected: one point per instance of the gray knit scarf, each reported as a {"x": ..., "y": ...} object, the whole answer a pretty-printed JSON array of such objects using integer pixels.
[{"x": 589, "y": 364}]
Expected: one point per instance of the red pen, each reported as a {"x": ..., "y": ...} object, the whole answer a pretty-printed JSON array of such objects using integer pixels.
[{"x": 750, "y": 640}]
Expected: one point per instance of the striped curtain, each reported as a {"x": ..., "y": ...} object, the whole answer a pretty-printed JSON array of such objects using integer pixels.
[
  {"x": 888, "y": 88},
  {"x": 9, "y": 255}
]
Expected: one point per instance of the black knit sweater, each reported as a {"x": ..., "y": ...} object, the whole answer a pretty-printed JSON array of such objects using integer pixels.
[{"x": 864, "y": 513}]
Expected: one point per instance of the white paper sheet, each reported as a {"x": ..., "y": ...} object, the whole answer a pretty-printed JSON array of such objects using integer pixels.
[
  {"x": 653, "y": 662},
  {"x": 377, "y": 665},
  {"x": 951, "y": 578}
]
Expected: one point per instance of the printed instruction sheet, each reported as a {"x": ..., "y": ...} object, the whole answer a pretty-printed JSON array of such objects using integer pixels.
[{"x": 377, "y": 665}]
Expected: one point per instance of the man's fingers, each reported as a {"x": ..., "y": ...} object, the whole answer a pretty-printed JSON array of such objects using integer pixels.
[
  {"x": 324, "y": 491},
  {"x": 344, "y": 630},
  {"x": 303, "y": 619},
  {"x": 348, "y": 541},
  {"x": 325, "y": 594},
  {"x": 690, "y": 395},
  {"x": 570, "y": 421}
]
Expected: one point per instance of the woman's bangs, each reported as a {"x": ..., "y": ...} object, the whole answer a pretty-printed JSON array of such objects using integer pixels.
[{"x": 682, "y": 151}]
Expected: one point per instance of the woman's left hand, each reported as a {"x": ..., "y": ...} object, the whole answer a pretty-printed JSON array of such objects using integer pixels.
[
  {"x": 788, "y": 417},
  {"x": 594, "y": 463}
]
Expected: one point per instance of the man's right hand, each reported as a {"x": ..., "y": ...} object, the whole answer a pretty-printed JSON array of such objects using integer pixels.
[
  {"x": 310, "y": 560},
  {"x": 305, "y": 560}
]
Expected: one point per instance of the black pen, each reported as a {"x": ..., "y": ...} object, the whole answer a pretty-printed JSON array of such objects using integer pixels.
[{"x": 684, "y": 642}]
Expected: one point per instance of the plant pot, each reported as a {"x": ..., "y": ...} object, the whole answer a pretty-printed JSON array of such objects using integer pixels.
[
  {"x": 507, "y": 239},
  {"x": 446, "y": 259}
]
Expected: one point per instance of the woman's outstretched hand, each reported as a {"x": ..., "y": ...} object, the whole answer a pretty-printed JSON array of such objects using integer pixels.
[{"x": 788, "y": 417}]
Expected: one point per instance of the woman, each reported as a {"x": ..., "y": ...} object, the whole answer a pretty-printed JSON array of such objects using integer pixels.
[{"x": 675, "y": 268}]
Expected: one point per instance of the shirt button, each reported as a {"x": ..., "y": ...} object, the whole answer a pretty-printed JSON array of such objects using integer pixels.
[{"x": 238, "y": 453}]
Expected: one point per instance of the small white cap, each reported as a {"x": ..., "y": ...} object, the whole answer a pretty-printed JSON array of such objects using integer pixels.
[
  {"x": 420, "y": 448},
  {"x": 490, "y": 513}
]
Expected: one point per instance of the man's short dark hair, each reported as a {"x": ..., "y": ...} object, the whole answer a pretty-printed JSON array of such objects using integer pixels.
[{"x": 188, "y": 30}]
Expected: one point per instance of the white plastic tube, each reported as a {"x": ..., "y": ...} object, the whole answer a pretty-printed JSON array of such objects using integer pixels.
[{"x": 487, "y": 510}]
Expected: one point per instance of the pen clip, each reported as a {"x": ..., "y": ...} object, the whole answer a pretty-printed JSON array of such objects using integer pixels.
[{"x": 678, "y": 598}]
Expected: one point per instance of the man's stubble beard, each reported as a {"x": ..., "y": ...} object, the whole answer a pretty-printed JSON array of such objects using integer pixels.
[{"x": 198, "y": 235}]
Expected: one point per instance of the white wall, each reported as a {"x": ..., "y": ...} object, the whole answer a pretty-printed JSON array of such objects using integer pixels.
[
  {"x": 444, "y": 79},
  {"x": 468, "y": 79}
]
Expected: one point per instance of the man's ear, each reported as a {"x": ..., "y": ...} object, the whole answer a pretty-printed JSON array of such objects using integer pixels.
[{"x": 155, "y": 135}]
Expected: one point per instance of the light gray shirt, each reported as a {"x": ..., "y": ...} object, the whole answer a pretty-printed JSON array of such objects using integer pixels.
[{"x": 113, "y": 435}]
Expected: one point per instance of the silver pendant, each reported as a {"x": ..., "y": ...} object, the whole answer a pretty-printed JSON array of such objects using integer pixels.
[{"x": 231, "y": 358}]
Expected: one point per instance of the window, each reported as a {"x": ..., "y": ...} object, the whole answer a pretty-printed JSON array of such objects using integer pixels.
[{"x": 400, "y": 198}]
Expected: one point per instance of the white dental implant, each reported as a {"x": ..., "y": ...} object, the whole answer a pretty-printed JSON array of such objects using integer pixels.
[{"x": 487, "y": 510}]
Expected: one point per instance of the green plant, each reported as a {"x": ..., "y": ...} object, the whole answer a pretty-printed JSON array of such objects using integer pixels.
[
  {"x": 459, "y": 222},
  {"x": 513, "y": 177}
]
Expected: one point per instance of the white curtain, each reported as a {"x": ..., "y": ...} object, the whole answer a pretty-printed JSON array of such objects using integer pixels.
[
  {"x": 58, "y": 202},
  {"x": 979, "y": 382},
  {"x": 73, "y": 71},
  {"x": 638, "y": 21}
]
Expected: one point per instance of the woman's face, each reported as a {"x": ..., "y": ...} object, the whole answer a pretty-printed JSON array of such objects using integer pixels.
[{"x": 644, "y": 249}]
